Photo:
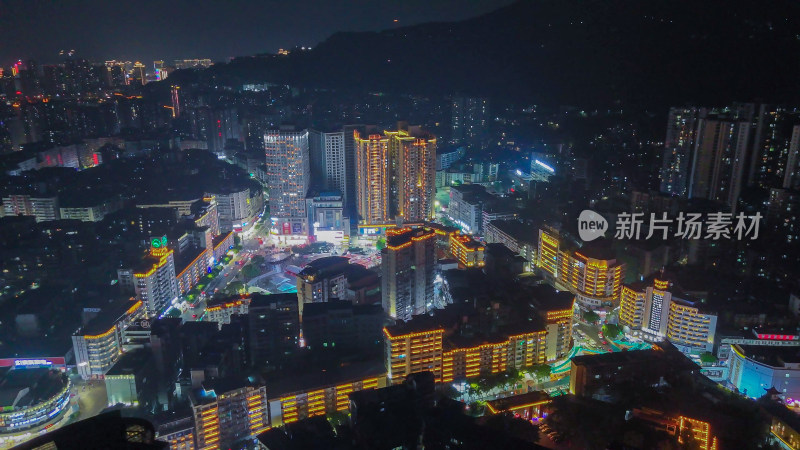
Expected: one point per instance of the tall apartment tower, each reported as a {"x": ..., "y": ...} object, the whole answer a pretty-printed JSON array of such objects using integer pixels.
[
  {"x": 288, "y": 178},
  {"x": 470, "y": 121},
  {"x": 372, "y": 180},
  {"x": 721, "y": 152},
  {"x": 407, "y": 271},
  {"x": 413, "y": 173},
  {"x": 350, "y": 170},
  {"x": 678, "y": 150},
  {"x": 775, "y": 148},
  {"x": 334, "y": 163}
]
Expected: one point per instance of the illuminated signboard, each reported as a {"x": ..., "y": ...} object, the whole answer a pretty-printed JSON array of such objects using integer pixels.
[
  {"x": 158, "y": 242},
  {"x": 23, "y": 363}
]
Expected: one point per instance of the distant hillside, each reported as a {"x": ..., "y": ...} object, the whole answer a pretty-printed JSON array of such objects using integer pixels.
[{"x": 649, "y": 52}]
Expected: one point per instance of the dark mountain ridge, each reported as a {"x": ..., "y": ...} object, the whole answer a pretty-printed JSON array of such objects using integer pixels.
[{"x": 594, "y": 52}]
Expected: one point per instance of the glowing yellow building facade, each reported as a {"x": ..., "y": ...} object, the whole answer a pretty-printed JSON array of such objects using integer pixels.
[
  {"x": 594, "y": 277},
  {"x": 222, "y": 419},
  {"x": 467, "y": 251},
  {"x": 451, "y": 358},
  {"x": 372, "y": 178},
  {"x": 413, "y": 162},
  {"x": 294, "y": 406},
  {"x": 654, "y": 311}
]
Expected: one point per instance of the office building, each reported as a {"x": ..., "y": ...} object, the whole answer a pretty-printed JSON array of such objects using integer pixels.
[
  {"x": 153, "y": 277},
  {"x": 326, "y": 216},
  {"x": 471, "y": 208},
  {"x": 407, "y": 272},
  {"x": 373, "y": 184},
  {"x": 234, "y": 208},
  {"x": 97, "y": 345},
  {"x": 288, "y": 180},
  {"x": 679, "y": 150},
  {"x": 227, "y": 411},
  {"x": 659, "y": 309}
]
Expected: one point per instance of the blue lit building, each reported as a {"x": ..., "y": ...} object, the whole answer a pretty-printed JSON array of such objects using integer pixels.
[{"x": 754, "y": 369}]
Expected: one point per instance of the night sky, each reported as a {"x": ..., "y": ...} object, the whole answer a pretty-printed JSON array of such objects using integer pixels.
[{"x": 146, "y": 30}]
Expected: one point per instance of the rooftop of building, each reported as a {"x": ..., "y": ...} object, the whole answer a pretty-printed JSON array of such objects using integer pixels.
[
  {"x": 325, "y": 266},
  {"x": 600, "y": 249},
  {"x": 639, "y": 357},
  {"x": 518, "y": 401},
  {"x": 396, "y": 237},
  {"x": 287, "y": 382},
  {"x": 214, "y": 387},
  {"x": 499, "y": 251},
  {"x": 262, "y": 300},
  {"x": 517, "y": 230},
  {"x": 769, "y": 355},
  {"x": 187, "y": 257},
  {"x": 108, "y": 316},
  {"x": 131, "y": 363},
  {"x": 323, "y": 308},
  {"x": 43, "y": 384}
]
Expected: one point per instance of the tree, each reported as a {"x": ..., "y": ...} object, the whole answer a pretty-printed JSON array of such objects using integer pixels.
[
  {"x": 236, "y": 287},
  {"x": 541, "y": 371},
  {"x": 250, "y": 271},
  {"x": 610, "y": 330},
  {"x": 380, "y": 244},
  {"x": 708, "y": 358},
  {"x": 257, "y": 260},
  {"x": 591, "y": 316},
  {"x": 236, "y": 240}
]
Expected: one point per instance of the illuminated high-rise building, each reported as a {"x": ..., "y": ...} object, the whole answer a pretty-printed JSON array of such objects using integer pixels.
[
  {"x": 138, "y": 73},
  {"x": 413, "y": 172},
  {"x": 372, "y": 179},
  {"x": 288, "y": 179},
  {"x": 175, "y": 96},
  {"x": 396, "y": 175},
  {"x": 153, "y": 278},
  {"x": 678, "y": 150},
  {"x": 407, "y": 268},
  {"x": 591, "y": 272},
  {"x": 658, "y": 309}
]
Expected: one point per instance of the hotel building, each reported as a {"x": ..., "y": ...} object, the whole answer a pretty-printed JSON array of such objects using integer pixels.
[
  {"x": 658, "y": 309},
  {"x": 591, "y": 272}
]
